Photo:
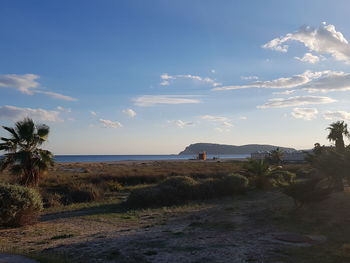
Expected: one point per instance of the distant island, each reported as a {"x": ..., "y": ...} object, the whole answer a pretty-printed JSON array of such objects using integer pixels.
[{"x": 212, "y": 148}]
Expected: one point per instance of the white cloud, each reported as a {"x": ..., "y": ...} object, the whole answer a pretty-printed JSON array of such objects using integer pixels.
[
  {"x": 337, "y": 115},
  {"x": 14, "y": 113},
  {"x": 24, "y": 83},
  {"x": 223, "y": 121},
  {"x": 130, "y": 112},
  {"x": 181, "y": 124},
  {"x": 152, "y": 100},
  {"x": 28, "y": 84},
  {"x": 296, "y": 101},
  {"x": 309, "y": 58},
  {"x": 319, "y": 81},
  {"x": 63, "y": 109},
  {"x": 166, "y": 78},
  {"x": 281, "y": 83},
  {"x": 249, "y": 77},
  {"x": 110, "y": 124},
  {"x": 323, "y": 40},
  {"x": 218, "y": 129},
  {"x": 287, "y": 92},
  {"x": 214, "y": 118},
  {"x": 93, "y": 113},
  {"x": 213, "y": 71},
  {"x": 332, "y": 81},
  {"x": 56, "y": 95},
  {"x": 305, "y": 113},
  {"x": 243, "y": 118}
]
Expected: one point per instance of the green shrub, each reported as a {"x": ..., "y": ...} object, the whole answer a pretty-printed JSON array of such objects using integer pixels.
[
  {"x": 181, "y": 189},
  {"x": 144, "y": 197},
  {"x": 83, "y": 193},
  {"x": 231, "y": 184},
  {"x": 19, "y": 205},
  {"x": 76, "y": 193},
  {"x": 306, "y": 191}
]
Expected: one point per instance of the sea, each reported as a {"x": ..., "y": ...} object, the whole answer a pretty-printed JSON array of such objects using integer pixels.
[{"x": 113, "y": 158}]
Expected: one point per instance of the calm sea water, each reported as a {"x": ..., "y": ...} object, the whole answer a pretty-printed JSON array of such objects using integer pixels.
[{"x": 111, "y": 158}]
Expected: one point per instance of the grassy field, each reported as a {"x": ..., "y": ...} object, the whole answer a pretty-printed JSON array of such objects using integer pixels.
[{"x": 233, "y": 229}]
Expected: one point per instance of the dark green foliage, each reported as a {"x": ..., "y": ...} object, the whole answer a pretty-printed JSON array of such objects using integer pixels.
[
  {"x": 275, "y": 156},
  {"x": 307, "y": 191},
  {"x": 23, "y": 156},
  {"x": 263, "y": 176},
  {"x": 19, "y": 205},
  {"x": 181, "y": 189},
  {"x": 75, "y": 193},
  {"x": 230, "y": 184},
  {"x": 336, "y": 132}
]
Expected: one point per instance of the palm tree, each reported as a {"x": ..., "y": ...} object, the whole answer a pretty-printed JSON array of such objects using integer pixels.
[
  {"x": 336, "y": 132},
  {"x": 265, "y": 175},
  {"x": 276, "y": 156},
  {"x": 24, "y": 158}
]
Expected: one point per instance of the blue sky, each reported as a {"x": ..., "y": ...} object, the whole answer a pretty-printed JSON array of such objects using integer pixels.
[{"x": 151, "y": 77}]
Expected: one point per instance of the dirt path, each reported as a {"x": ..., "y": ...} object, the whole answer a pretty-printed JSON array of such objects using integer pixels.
[
  {"x": 227, "y": 231},
  {"x": 231, "y": 230}
]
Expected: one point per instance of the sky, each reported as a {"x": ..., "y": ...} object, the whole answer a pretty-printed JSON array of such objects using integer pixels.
[{"x": 151, "y": 77}]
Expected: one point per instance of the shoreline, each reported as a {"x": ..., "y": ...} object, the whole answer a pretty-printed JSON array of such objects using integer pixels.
[{"x": 156, "y": 161}]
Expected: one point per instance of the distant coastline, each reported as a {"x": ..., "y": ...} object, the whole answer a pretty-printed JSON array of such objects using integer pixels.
[{"x": 114, "y": 158}]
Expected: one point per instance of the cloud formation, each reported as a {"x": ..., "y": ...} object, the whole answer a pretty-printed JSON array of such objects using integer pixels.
[
  {"x": 305, "y": 113},
  {"x": 309, "y": 58},
  {"x": 286, "y": 92},
  {"x": 223, "y": 121},
  {"x": 14, "y": 113},
  {"x": 181, "y": 124},
  {"x": 280, "y": 83},
  {"x": 166, "y": 78},
  {"x": 249, "y": 77},
  {"x": 130, "y": 112},
  {"x": 28, "y": 84},
  {"x": 318, "y": 81},
  {"x": 296, "y": 101},
  {"x": 110, "y": 124},
  {"x": 57, "y": 95},
  {"x": 336, "y": 115},
  {"x": 152, "y": 100},
  {"x": 323, "y": 40}
]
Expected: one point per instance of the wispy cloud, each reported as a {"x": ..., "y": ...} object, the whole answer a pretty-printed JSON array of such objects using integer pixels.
[
  {"x": 319, "y": 81},
  {"x": 249, "y": 77},
  {"x": 223, "y": 121},
  {"x": 296, "y": 101},
  {"x": 93, "y": 113},
  {"x": 110, "y": 124},
  {"x": 336, "y": 115},
  {"x": 305, "y": 113},
  {"x": 28, "y": 84},
  {"x": 57, "y": 95},
  {"x": 14, "y": 113},
  {"x": 152, "y": 100},
  {"x": 324, "y": 40},
  {"x": 280, "y": 83},
  {"x": 166, "y": 79},
  {"x": 286, "y": 92},
  {"x": 64, "y": 109},
  {"x": 181, "y": 124},
  {"x": 130, "y": 112},
  {"x": 309, "y": 58}
]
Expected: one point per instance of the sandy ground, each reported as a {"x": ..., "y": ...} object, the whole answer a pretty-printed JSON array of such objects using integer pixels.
[{"x": 227, "y": 230}]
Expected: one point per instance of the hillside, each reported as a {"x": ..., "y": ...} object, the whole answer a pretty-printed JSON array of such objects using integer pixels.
[{"x": 212, "y": 148}]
